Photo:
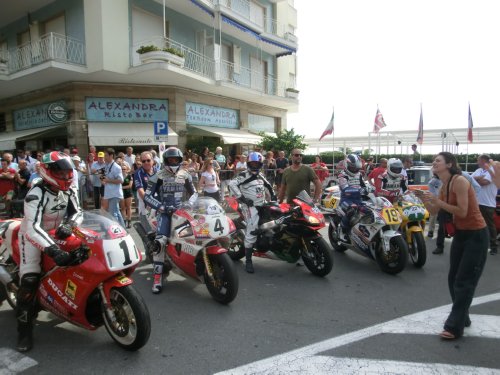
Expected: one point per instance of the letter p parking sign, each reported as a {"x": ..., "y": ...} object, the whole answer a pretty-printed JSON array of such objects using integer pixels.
[{"x": 161, "y": 131}]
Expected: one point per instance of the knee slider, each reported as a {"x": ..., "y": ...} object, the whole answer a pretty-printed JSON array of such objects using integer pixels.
[{"x": 29, "y": 285}]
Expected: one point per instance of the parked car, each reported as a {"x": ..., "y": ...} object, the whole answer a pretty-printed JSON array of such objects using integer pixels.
[{"x": 419, "y": 177}]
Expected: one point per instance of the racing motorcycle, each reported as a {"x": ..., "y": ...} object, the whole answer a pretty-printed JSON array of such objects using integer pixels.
[
  {"x": 374, "y": 230},
  {"x": 285, "y": 232},
  {"x": 414, "y": 215},
  {"x": 96, "y": 289},
  {"x": 197, "y": 247}
]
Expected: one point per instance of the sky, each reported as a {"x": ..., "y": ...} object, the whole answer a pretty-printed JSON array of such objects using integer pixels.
[{"x": 398, "y": 54}]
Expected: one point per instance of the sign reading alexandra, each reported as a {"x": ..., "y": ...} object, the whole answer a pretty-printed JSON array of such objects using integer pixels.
[
  {"x": 126, "y": 110},
  {"x": 40, "y": 116},
  {"x": 200, "y": 114}
]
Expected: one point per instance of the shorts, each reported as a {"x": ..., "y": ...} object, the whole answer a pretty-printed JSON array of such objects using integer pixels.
[{"x": 127, "y": 193}]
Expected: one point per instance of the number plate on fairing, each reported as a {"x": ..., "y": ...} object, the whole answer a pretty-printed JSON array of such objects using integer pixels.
[
  {"x": 120, "y": 253},
  {"x": 391, "y": 215}
]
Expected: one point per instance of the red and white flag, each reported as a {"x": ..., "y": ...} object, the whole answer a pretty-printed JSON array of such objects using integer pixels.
[
  {"x": 379, "y": 122},
  {"x": 471, "y": 125},
  {"x": 420, "y": 136},
  {"x": 329, "y": 128}
]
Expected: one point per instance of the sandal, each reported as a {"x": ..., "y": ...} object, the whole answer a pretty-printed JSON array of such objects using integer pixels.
[{"x": 447, "y": 335}]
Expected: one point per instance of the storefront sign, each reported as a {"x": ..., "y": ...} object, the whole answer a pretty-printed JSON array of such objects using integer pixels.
[
  {"x": 40, "y": 116},
  {"x": 126, "y": 110},
  {"x": 200, "y": 114}
]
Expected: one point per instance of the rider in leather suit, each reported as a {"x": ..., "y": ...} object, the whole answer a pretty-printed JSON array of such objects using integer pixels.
[
  {"x": 391, "y": 183},
  {"x": 52, "y": 203},
  {"x": 249, "y": 188},
  {"x": 169, "y": 184},
  {"x": 352, "y": 187}
]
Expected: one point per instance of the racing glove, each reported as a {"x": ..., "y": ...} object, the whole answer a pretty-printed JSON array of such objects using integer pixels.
[
  {"x": 61, "y": 258},
  {"x": 64, "y": 231},
  {"x": 246, "y": 201}
]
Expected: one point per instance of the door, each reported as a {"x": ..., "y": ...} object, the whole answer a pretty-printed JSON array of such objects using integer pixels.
[{"x": 256, "y": 74}]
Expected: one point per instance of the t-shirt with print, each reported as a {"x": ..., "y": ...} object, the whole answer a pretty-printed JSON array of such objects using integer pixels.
[{"x": 210, "y": 182}]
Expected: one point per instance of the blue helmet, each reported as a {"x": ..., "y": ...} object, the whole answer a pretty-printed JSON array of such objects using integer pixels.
[{"x": 254, "y": 162}]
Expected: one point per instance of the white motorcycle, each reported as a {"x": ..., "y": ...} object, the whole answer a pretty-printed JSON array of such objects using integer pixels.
[{"x": 197, "y": 247}]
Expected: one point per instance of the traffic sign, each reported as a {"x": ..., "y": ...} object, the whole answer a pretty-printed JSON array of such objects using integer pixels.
[{"x": 160, "y": 130}]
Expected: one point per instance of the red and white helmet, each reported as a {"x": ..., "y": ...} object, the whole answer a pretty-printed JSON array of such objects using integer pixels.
[{"x": 56, "y": 169}]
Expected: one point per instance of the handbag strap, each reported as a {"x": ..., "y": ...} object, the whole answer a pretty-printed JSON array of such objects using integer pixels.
[{"x": 448, "y": 188}]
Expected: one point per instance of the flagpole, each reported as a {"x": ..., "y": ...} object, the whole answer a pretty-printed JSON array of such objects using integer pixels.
[
  {"x": 467, "y": 156},
  {"x": 333, "y": 149}
]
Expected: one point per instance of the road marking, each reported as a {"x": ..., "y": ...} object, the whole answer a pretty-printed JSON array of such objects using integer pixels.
[
  {"x": 12, "y": 362},
  {"x": 306, "y": 360}
]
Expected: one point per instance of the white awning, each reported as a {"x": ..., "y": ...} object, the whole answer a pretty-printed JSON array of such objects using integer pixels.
[
  {"x": 229, "y": 136},
  {"x": 8, "y": 140},
  {"x": 126, "y": 134}
]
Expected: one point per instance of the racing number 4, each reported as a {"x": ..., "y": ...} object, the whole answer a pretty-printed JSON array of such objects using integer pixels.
[{"x": 218, "y": 226}]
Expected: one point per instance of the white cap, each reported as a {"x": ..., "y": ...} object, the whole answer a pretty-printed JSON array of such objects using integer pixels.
[{"x": 76, "y": 157}]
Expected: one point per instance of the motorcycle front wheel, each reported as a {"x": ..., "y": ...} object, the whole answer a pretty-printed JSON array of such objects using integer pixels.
[
  {"x": 317, "y": 257},
  {"x": 417, "y": 249},
  {"x": 132, "y": 327},
  {"x": 223, "y": 285},
  {"x": 333, "y": 237},
  {"x": 394, "y": 261}
]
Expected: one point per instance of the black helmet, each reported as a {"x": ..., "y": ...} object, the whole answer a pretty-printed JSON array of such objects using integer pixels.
[
  {"x": 352, "y": 164},
  {"x": 172, "y": 152}
]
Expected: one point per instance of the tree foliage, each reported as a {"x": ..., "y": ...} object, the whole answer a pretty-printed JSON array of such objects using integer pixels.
[{"x": 285, "y": 140}]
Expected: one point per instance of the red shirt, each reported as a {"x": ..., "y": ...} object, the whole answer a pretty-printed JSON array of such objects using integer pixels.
[
  {"x": 7, "y": 185},
  {"x": 321, "y": 173},
  {"x": 375, "y": 173}
]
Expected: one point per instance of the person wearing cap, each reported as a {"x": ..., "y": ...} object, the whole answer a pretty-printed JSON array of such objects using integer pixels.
[{"x": 96, "y": 171}]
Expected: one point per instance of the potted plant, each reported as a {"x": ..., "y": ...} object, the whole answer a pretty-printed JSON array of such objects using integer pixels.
[
  {"x": 151, "y": 53},
  {"x": 290, "y": 92}
]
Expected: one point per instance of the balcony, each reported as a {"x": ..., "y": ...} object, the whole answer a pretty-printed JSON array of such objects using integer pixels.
[
  {"x": 50, "y": 47},
  {"x": 211, "y": 71}
]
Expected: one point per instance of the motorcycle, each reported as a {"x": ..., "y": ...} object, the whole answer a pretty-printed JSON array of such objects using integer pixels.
[
  {"x": 96, "y": 289},
  {"x": 414, "y": 215},
  {"x": 285, "y": 232},
  {"x": 197, "y": 247},
  {"x": 373, "y": 230}
]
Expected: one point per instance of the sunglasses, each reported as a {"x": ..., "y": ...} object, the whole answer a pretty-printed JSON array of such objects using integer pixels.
[
  {"x": 146, "y": 161},
  {"x": 297, "y": 155}
]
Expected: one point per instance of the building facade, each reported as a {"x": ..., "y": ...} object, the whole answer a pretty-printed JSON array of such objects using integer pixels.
[{"x": 139, "y": 72}]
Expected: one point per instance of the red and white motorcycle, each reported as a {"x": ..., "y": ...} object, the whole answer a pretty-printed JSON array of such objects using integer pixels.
[
  {"x": 197, "y": 247},
  {"x": 96, "y": 289}
]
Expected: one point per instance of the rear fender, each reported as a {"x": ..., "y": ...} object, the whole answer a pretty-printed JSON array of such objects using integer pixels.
[{"x": 214, "y": 250}]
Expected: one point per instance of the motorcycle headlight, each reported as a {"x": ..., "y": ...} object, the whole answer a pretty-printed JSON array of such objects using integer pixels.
[{"x": 312, "y": 219}]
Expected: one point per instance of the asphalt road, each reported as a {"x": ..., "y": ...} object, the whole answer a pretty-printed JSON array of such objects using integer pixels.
[{"x": 363, "y": 314}]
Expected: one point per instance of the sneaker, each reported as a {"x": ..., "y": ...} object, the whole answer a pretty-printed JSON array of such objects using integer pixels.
[
  {"x": 157, "y": 283},
  {"x": 430, "y": 234},
  {"x": 24, "y": 343},
  {"x": 493, "y": 252},
  {"x": 249, "y": 266},
  {"x": 438, "y": 250}
]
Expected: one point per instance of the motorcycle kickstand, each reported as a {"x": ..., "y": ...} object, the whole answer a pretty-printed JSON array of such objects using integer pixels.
[{"x": 108, "y": 308}]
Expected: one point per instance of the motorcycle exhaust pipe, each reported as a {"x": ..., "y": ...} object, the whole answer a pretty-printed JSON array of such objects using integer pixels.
[{"x": 5, "y": 277}]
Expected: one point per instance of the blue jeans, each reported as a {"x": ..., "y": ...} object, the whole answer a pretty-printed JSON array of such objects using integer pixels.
[{"x": 114, "y": 210}]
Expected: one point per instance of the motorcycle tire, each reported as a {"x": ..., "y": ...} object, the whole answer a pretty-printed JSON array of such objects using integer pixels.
[
  {"x": 224, "y": 286},
  {"x": 417, "y": 249},
  {"x": 394, "y": 262},
  {"x": 332, "y": 236},
  {"x": 317, "y": 258},
  {"x": 10, "y": 294},
  {"x": 133, "y": 325}
]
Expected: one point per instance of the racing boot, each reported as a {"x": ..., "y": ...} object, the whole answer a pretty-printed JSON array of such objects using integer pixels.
[
  {"x": 248, "y": 262},
  {"x": 25, "y": 311},
  {"x": 157, "y": 277}
]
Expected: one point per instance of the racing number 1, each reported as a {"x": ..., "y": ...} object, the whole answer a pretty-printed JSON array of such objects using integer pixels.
[
  {"x": 218, "y": 226},
  {"x": 392, "y": 215},
  {"x": 124, "y": 247}
]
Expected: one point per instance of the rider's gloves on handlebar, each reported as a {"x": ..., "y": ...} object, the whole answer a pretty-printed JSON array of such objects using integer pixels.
[
  {"x": 363, "y": 191},
  {"x": 169, "y": 210},
  {"x": 64, "y": 231},
  {"x": 245, "y": 200},
  {"x": 61, "y": 258}
]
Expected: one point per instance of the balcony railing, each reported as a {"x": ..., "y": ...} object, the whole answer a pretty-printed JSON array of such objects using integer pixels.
[
  {"x": 50, "y": 47},
  {"x": 223, "y": 71}
]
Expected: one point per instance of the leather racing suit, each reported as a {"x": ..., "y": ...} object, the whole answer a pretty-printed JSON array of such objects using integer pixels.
[
  {"x": 249, "y": 189},
  {"x": 351, "y": 188},
  {"x": 390, "y": 187}
]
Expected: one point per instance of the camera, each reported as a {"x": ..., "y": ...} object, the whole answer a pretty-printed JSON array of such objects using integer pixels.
[{"x": 101, "y": 173}]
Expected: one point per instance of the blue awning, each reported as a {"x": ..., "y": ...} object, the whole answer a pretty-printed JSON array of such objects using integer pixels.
[
  {"x": 278, "y": 44},
  {"x": 240, "y": 26},
  {"x": 203, "y": 7}
]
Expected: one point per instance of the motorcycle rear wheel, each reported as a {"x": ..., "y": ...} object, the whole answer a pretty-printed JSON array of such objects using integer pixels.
[
  {"x": 224, "y": 286},
  {"x": 133, "y": 324},
  {"x": 417, "y": 249},
  {"x": 333, "y": 237},
  {"x": 395, "y": 261},
  {"x": 317, "y": 258}
]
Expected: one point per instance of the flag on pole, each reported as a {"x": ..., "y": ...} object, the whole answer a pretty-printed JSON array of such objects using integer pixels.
[
  {"x": 469, "y": 132},
  {"x": 329, "y": 128},
  {"x": 420, "y": 136},
  {"x": 379, "y": 122}
]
